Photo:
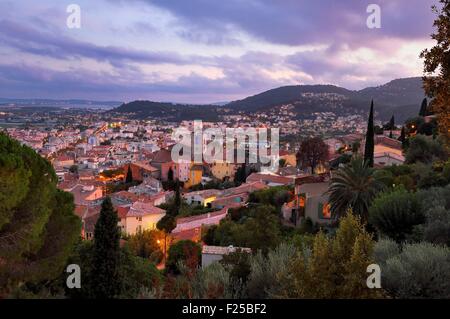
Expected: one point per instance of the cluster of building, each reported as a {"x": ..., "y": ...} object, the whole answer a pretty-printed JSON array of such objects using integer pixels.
[{"x": 105, "y": 153}]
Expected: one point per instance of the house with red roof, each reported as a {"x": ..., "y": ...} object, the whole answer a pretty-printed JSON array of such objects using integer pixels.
[{"x": 142, "y": 216}]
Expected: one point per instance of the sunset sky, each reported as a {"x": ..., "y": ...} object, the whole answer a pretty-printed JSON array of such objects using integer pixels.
[{"x": 202, "y": 51}]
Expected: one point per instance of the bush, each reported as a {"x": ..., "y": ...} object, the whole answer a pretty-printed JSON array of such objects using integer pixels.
[
  {"x": 263, "y": 281},
  {"x": 418, "y": 271},
  {"x": 395, "y": 214},
  {"x": 307, "y": 226},
  {"x": 145, "y": 244},
  {"x": 183, "y": 251},
  {"x": 425, "y": 150}
]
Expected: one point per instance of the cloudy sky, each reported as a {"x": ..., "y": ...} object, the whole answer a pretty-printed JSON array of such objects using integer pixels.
[{"x": 201, "y": 51}]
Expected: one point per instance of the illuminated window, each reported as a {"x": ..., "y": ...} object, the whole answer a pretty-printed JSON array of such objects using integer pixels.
[
  {"x": 301, "y": 200},
  {"x": 326, "y": 212}
]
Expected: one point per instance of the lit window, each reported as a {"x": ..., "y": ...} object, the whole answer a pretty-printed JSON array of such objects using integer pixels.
[{"x": 326, "y": 212}]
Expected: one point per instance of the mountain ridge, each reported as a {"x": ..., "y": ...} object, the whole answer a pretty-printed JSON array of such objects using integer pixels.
[{"x": 400, "y": 97}]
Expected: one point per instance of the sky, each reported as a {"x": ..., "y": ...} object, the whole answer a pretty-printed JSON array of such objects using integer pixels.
[{"x": 205, "y": 51}]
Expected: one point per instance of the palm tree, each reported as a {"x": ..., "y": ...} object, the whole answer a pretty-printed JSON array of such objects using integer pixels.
[{"x": 353, "y": 186}]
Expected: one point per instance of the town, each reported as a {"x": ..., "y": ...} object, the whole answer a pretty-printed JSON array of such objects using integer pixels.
[{"x": 235, "y": 151}]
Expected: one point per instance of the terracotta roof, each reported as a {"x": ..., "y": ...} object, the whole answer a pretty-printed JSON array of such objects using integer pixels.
[
  {"x": 125, "y": 195},
  {"x": 199, "y": 220},
  {"x": 142, "y": 209},
  {"x": 122, "y": 211},
  {"x": 269, "y": 178},
  {"x": 248, "y": 187},
  {"x": 162, "y": 156},
  {"x": 145, "y": 166},
  {"x": 203, "y": 193},
  {"x": 309, "y": 179}
]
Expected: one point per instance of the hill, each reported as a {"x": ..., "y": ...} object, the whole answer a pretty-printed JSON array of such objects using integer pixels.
[
  {"x": 168, "y": 111},
  {"x": 401, "y": 97}
]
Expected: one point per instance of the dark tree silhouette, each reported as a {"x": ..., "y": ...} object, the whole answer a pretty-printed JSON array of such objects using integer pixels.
[
  {"x": 313, "y": 151},
  {"x": 105, "y": 268},
  {"x": 423, "y": 108},
  {"x": 129, "y": 177},
  {"x": 370, "y": 143}
]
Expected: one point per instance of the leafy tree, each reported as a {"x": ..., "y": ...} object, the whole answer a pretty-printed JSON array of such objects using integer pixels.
[
  {"x": 353, "y": 186},
  {"x": 437, "y": 69},
  {"x": 257, "y": 228},
  {"x": 436, "y": 206},
  {"x": 436, "y": 230},
  {"x": 167, "y": 224},
  {"x": 385, "y": 177},
  {"x": 274, "y": 196},
  {"x": 266, "y": 278},
  {"x": 416, "y": 271},
  {"x": 38, "y": 227},
  {"x": 241, "y": 175},
  {"x": 145, "y": 244},
  {"x": 313, "y": 151},
  {"x": 335, "y": 267},
  {"x": 395, "y": 214},
  {"x": 214, "y": 282},
  {"x": 262, "y": 231},
  {"x": 133, "y": 275},
  {"x": 73, "y": 169},
  {"x": 369, "y": 143},
  {"x": 183, "y": 251},
  {"x": 129, "y": 177},
  {"x": 136, "y": 273},
  {"x": 428, "y": 177},
  {"x": 446, "y": 171},
  {"x": 106, "y": 253},
  {"x": 406, "y": 181},
  {"x": 425, "y": 150},
  {"x": 238, "y": 265}
]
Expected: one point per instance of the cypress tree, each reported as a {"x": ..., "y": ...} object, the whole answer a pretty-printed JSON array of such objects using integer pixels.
[
  {"x": 170, "y": 174},
  {"x": 106, "y": 254},
  {"x": 129, "y": 177},
  {"x": 402, "y": 137},
  {"x": 177, "y": 195},
  {"x": 392, "y": 123},
  {"x": 370, "y": 144},
  {"x": 423, "y": 108}
]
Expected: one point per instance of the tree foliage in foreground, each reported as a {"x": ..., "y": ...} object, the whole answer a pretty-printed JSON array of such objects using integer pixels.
[
  {"x": 415, "y": 270},
  {"x": 38, "y": 227},
  {"x": 437, "y": 69},
  {"x": 334, "y": 267}
]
